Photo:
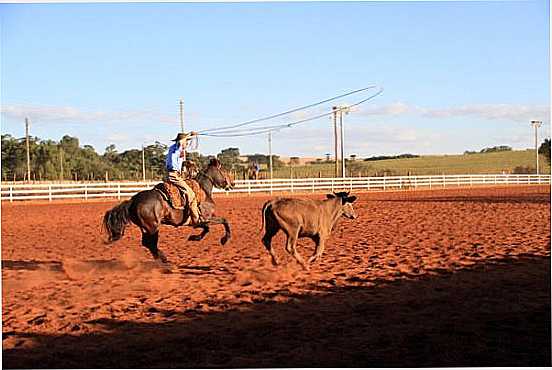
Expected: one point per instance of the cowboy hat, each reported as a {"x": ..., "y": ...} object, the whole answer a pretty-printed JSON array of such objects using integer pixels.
[
  {"x": 180, "y": 136},
  {"x": 183, "y": 135}
]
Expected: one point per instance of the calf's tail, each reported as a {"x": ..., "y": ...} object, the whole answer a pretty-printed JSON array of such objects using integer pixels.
[
  {"x": 116, "y": 219},
  {"x": 265, "y": 207}
]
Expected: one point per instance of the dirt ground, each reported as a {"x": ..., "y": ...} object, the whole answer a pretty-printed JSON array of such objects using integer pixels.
[{"x": 429, "y": 278}]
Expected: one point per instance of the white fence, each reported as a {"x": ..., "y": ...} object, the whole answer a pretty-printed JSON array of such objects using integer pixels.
[{"x": 14, "y": 192}]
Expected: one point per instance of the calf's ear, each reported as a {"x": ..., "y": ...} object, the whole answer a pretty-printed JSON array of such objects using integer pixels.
[
  {"x": 350, "y": 199},
  {"x": 330, "y": 196}
]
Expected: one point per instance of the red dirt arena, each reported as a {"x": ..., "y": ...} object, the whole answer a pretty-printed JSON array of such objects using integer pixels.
[{"x": 421, "y": 278}]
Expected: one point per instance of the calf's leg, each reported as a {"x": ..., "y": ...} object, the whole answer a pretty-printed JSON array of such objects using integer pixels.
[
  {"x": 291, "y": 248},
  {"x": 319, "y": 248}
]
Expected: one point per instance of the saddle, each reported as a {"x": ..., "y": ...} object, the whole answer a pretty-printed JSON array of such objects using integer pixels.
[{"x": 175, "y": 196}]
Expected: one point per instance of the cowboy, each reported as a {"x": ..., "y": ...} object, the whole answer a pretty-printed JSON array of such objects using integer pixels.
[{"x": 174, "y": 162}]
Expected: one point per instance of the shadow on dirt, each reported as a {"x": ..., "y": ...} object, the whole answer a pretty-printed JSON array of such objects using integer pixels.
[
  {"x": 490, "y": 315},
  {"x": 32, "y": 265},
  {"x": 529, "y": 198}
]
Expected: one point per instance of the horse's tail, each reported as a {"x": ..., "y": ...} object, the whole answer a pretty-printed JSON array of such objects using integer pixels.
[
  {"x": 116, "y": 219},
  {"x": 265, "y": 207}
]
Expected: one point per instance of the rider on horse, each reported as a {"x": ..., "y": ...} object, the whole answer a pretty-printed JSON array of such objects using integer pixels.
[{"x": 177, "y": 174}]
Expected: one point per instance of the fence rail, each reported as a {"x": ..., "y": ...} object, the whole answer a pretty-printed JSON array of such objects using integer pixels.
[{"x": 15, "y": 192}]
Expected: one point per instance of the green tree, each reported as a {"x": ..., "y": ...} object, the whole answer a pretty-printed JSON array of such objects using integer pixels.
[
  {"x": 544, "y": 149},
  {"x": 230, "y": 158}
]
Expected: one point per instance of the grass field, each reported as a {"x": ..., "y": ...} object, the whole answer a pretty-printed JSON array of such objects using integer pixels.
[{"x": 480, "y": 163}]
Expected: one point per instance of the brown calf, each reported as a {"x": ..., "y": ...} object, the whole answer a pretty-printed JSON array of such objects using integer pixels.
[{"x": 304, "y": 218}]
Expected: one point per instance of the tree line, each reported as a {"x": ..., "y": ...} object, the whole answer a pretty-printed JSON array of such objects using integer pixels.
[{"x": 65, "y": 159}]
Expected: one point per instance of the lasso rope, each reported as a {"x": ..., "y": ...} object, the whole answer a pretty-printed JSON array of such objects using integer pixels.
[{"x": 232, "y": 131}]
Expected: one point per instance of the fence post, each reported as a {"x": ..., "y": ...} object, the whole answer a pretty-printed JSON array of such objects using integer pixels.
[
  {"x": 118, "y": 191},
  {"x": 291, "y": 182},
  {"x": 351, "y": 183},
  {"x": 249, "y": 187},
  {"x": 384, "y": 187},
  {"x": 11, "y": 193},
  {"x": 471, "y": 181},
  {"x": 443, "y": 180},
  {"x": 50, "y": 192},
  {"x": 430, "y": 182},
  {"x": 85, "y": 192},
  {"x": 415, "y": 182},
  {"x": 332, "y": 184},
  {"x": 271, "y": 184},
  {"x": 313, "y": 184}
]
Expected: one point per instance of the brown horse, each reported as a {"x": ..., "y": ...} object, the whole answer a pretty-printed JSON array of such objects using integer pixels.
[{"x": 148, "y": 210}]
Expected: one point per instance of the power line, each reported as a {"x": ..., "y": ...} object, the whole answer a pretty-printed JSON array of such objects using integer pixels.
[
  {"x": 230, "y": 127},
  {"x": 265, "y": 129}
]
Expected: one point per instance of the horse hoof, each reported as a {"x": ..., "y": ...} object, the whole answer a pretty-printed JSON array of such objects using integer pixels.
[
  {"x": 194, "y": 238},
  {"x": 161, "y": 257},
  {"x": 223, "y": 240}
]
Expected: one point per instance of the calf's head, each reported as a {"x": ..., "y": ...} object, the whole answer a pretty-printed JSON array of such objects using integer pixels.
[{"x": 347, "y": 209}]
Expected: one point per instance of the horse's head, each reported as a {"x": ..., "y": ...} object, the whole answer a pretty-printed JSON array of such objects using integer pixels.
[{"x": 218, "y": 175}]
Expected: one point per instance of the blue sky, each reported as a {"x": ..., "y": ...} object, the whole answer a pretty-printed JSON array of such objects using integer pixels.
[{"x": 456, "y": 75}]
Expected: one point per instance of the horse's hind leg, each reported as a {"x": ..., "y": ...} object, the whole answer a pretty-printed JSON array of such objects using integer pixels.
[
  {"x": 221, "y": 220},
  {"x": 149, "y": 240},
  {"x": 204, "y": 231}
]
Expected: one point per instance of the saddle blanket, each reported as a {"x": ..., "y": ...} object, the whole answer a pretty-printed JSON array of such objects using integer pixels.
[{"x": 173, "y": 195}]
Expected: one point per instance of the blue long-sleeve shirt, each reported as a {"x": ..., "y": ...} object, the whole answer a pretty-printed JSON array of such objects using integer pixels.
[{"x": 174, "y": 160}]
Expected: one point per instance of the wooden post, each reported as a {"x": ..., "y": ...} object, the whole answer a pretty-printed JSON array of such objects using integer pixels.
[
  {"x": 335, "y": 141},
  {"x": 28, "y": 150},
  {"x": 61, "y": 164}
]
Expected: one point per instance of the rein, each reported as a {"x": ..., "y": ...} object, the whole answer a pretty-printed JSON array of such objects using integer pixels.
[{"x": 207, "y": 176}]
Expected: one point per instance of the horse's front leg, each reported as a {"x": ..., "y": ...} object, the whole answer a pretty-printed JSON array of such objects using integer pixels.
[
  {"x": 204, "y": 230},
  {"x": 218, "y": 221}
]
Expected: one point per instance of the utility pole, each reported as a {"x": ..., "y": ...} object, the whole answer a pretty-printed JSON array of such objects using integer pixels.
[
  {"x": 336, "y": 168},
  {"x": 342, "y": 151},
  {"x": 61, "y": 164},
  {"x": 270, "y": 153},
  {"x": 342, "y": 109},
  {"x": 143, "y": 164},
  {"x": 536, "y": 125},
  {"x": 182, "y": 124},
  {"x": 181, "y": 116},
  {"x": 28, "y": 149}
]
